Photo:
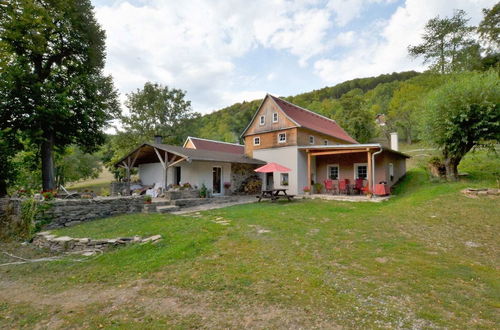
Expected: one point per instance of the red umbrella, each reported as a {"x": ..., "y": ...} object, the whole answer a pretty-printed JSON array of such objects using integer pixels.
[{"x": 272, "y": 167}]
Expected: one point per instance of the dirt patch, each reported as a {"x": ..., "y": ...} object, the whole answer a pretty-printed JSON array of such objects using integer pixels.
[{"x": 154, "y": 299}]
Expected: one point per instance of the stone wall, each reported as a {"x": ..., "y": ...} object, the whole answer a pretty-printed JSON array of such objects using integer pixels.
[
  {"x": 67, "y": 212},
  {"x": 118, "y": 188},
  {"x": 65, "y": 243}
]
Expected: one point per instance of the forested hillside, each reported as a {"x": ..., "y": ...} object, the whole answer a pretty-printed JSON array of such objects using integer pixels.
[{"x": 375, "y": 92}]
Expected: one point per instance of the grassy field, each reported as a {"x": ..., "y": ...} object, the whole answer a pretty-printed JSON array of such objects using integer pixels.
[{"x": 428, "y": 258}]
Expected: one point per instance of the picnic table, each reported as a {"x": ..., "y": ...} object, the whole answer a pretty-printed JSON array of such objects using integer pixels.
[{"x": 274, "y": 194}]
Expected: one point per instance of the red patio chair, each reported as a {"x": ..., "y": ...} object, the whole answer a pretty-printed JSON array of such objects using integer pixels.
[
  {"x": 328, "y": 185},
  {"x": 344, "y": 186},
  {"x": 358, "y": 186}
]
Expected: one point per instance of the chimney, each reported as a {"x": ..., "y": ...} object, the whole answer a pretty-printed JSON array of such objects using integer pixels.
[
  {"x": 394, "y": 141},
  {"x": 158, "y": 139}
]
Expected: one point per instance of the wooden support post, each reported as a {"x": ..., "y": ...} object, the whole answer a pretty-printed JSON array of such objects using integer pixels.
[
  {"x": 309, "y": 169},
  {"x": 166, "y": 172},
  {"x": 369, "y": 171}
]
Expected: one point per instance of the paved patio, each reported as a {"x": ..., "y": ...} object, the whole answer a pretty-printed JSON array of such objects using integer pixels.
[{"x": 347, "y": 198}]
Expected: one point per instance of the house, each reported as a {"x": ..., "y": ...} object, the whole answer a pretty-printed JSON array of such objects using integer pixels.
[
  {"x": 199, "y": 162},
  {"x": 314, "y": 147}
]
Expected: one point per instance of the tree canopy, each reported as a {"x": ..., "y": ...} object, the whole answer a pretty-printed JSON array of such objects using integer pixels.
[
  {"x": 462, "y": 114},
  {"x": 448, "y": 44},
  {"x": 52, "y": 87}
]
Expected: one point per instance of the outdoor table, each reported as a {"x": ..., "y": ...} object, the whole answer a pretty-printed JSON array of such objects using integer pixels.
[{"x": 274, "y": 194}]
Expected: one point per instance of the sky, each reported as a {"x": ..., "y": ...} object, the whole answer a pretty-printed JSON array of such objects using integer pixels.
[{"x": 228, "y": 51}]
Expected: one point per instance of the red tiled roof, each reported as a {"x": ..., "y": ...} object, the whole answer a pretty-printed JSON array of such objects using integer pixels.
[
  {"x": 313, "y": 121},
  {"x": 204, "y": 144}
]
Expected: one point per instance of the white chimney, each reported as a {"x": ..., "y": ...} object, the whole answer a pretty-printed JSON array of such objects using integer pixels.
[{"x": 394, "y": 141}]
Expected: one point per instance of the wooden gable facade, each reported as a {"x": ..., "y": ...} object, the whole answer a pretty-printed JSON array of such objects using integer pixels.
[{"x": 270, "y": 123}]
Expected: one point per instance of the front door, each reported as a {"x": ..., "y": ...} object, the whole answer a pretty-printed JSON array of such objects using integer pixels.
[
  {"x": 177, "y": 175},
  {"x": 216, "y": 176}
]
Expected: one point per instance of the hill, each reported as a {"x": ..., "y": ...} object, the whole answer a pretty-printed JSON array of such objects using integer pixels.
[{"x": 227, "y": 124}]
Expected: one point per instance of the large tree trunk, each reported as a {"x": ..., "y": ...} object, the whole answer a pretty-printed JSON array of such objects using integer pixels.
[
  {"x": 3, "y": 187},
  {"x": 47, "y": 153},
  {"x": 451, "y": 165}
]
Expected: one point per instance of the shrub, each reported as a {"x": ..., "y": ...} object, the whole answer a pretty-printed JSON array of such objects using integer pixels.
[
  {"x": 203, "y": 191},
  {"x": 318, "y": 187}
]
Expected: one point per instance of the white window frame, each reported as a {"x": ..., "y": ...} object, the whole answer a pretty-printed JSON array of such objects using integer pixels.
[
  {"x": 275, "y": 117},
  {"x": 311, "y": 139},
  {"x": 262, "y": 120},
  {"x": 328, "y": 171},
  {"x": 279, "y": 137},
  {"x": 391, "y": 171},
  {"x": 325, "y": 142},
  {"x": 255, "y": 138},
  {"x": 356, "y": 165},
  {"x": 282, "y": 175}
]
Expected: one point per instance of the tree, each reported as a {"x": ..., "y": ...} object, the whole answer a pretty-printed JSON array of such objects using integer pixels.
[
  {"x": 157, "y": 110},
  {"x": 489, "y": 29},
  {"x": 354, "y": 116},
  {"x": 51, "y": 84},
  {"x": 9, "y": 144},
  {"x": 462, "y": 114},
  {"x": 74, "y": 165},
  {"x": 448, "y": 44}
]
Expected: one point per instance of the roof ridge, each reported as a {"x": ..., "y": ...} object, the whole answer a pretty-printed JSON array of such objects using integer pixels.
[
  {"x": 198, "y": 138},
  {"x": 304, "y": 109}
]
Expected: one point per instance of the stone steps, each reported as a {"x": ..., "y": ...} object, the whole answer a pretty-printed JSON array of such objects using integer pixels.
[{"x": 167, "y": 208}]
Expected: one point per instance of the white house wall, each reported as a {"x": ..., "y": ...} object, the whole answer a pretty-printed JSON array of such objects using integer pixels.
[
  {"x": 286, "y": 156},
  {"x": 196, "y": 173}
]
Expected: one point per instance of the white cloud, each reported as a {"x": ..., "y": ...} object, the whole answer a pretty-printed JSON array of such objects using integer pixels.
[{"x": 383, "y": 47}]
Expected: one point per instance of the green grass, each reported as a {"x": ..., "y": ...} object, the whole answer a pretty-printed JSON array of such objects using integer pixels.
[{"x": 399, "y": 264}]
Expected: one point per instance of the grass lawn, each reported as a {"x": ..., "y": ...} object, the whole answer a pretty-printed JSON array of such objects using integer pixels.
[{"x": 429, "y": 257}]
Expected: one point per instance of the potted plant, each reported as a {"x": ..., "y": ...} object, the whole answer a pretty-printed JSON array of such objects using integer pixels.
[
  {"x": 148, "y": 199},
  {"x": 203, "y": 191},
  {"x": 318, "y": 187},
  {"x": 307, "y": 190}
]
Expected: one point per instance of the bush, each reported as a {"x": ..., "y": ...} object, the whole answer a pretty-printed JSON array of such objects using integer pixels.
[{"x": 318, "y": 187}]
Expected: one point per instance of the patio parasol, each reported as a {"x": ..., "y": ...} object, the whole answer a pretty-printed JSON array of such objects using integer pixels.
[{"x": 272, "y": 167}]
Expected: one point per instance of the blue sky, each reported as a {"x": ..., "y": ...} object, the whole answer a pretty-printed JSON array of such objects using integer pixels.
[{"x": 227, "y": 51}]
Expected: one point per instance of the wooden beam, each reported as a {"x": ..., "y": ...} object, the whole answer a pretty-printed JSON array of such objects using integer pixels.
[
  {"x": 172, "y": 163},
  {"x": 160, "y": 158},
  {"x": 166, "y": 171},
  {"x": 369, "y": 171},
  {"x": 309, "y": 170},
  {"x": 135, "y": 158},
  {"x": 336, "y": 152}
]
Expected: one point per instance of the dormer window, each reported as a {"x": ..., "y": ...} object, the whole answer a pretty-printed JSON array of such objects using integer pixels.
[
  {"x": 311, "y": 139},
  {"x": 256, "y": 141},
  {"x": 282, "y": 138},
  {"x": 275, "y": 117},
  {"x": 262, "y": 120}
]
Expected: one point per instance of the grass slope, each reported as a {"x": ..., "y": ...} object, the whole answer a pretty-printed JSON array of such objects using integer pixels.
[{"x": 429, "y": 257}]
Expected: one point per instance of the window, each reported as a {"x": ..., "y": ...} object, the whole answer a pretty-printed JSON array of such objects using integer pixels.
[
  {"x": 332, "y": 172},
  {"x": 360, "y": 171},
  {"x": 311, "y": 139},
  {"x": 275, "y": 117},
  {"x": 284, "y": 179},
  {"x": 325, "y": 142},
  {"x": 282, "y": 138},
  {"x": 262, "y": 120},
  {"x": 256, "y": 141},
  {"x": 391, "y": 171}
]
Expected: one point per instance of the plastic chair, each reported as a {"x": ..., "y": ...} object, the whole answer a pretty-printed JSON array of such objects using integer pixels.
[
  {"x": 343, "y": 186},
  {"x": 328, "y": 185}
]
